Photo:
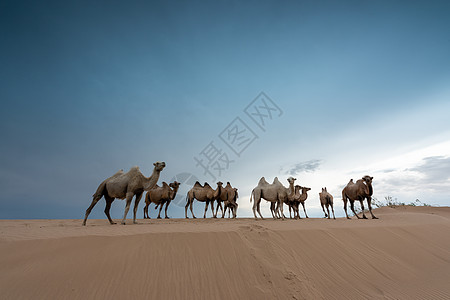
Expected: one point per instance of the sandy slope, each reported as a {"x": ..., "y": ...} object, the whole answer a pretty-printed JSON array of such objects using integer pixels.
[{"x": 403, "y": 255}]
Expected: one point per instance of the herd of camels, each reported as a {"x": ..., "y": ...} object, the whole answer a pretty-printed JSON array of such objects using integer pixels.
[{"x": 133, "y": 184}]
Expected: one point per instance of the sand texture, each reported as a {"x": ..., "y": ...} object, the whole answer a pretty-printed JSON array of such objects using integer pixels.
[{"x": 403, "y": 255}]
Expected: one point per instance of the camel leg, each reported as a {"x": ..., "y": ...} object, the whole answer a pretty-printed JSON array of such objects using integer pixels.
[
  {"x": 362, "y": 208},
  {"x": 88, "y": 211},
  {"x": 217, "y": 209},
  {"x": 212, "y": 208},
  {"x": 345, "y": 208},
  {"x": 254, "y": 210},
  {"x": 369, "y": 203},
  {"x": 109, "y": 201},
  {"x": 272, "y": 210},
  {"x": 328, "y": 211},
  {"x": 160, "y": 208},
  {"x": 291, "y": 206},
  {"x": 259, "y": 209},
  {"x": 332, "y": 209},
  {"x": 165, "y": 210},
  {"x": 206, "y": 208},
  {"x": 219, "y": 204},
  {"x": 223, "y": 210},
  {"x": 303, "y": 204},
  {"x": 185, "y": 209},
  {"x": 136, "y": 204},
  {"x": 147, "y": 205},
  {"x": 192, "y": 210},
  {"x": 323, "y": 210},
  {"x": 352, "y": 206},
  {"x": 277, "y": 211},
  {"x": 127, "y": 206}
]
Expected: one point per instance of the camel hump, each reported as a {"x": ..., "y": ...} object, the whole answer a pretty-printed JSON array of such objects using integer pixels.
[
  {"x": 351, "y": 181},
  {"x": 262, "y": 181},
  {"x": 276, "y": 181},
  {"x": 206, "y": 184},
  {"x": 197, "y": 184},
  {"x": 118, "y": 173},
  {"x": 164, "y": 184},
  {"x": 228, "y": 184}
]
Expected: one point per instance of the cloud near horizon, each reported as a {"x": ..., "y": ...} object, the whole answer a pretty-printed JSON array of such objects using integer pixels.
[{"x": 431, "y": 175}]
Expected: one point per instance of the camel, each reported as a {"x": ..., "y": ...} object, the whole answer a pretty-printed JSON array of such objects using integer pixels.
[
  {"x": 274, "y": 192},
  {"x": 203, "y": 194},
  {"x": 301, "y": 198},
  {"x": 232, "y": 205},
  {"x": 159, "y": 196},
  {"x": 360, "y": 190},
  {"x": 227, "y": 195},
  {"x": 293, "y": 202},
  {"x": 289, "y": 201},
  {"x": 326, "y": 199},
  {"x": 125, "y": 185}
]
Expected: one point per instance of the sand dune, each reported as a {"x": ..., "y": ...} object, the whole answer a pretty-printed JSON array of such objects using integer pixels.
[{"x": 403, "y": 255}]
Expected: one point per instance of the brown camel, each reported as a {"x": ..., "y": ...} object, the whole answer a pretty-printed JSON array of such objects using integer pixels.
[
  {"x": 227, "y": 195},
  {"x": 203, "y": 194},
  {"x": 326, "y": 199},
  {"x": 294, "y": 201},
  {"x": 301, "y": 198},
  {"x": 275, "y": 192},
  {"x": 360, "y": 190},
  {"x": 125, "y": 185},
  {"x": 232, "y": 205},
  {"x": 160, "y": 196}
]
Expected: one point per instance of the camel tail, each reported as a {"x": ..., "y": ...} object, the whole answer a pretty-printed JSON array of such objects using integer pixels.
[
  {"x": 344, "y": 196},
  {"x": 100, "y": 190},
  {"x": 251, "y": 195},
  {"x": 156, "y": 206}
]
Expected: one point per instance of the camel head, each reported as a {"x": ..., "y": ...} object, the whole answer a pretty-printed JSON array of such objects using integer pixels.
[
  {"x": 367, "y": 179},
  {"x": 305, "y": 189},
  {"x": 159, "y": 166},
  {"x": 219, "y": 183},
  {"x": 174, "y": 185},
  {"x": 291, "y": 180}
]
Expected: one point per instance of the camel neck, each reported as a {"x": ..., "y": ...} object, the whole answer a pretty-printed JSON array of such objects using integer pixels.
[
  {"x": 152, "y": 180},
  {"x": 291, "y": 189},
  {"x": 369, "y": 185},
  {"x": 173, "y": 193}
]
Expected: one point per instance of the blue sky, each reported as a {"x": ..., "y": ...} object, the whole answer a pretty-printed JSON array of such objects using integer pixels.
[{"x": 91, "y": 88}]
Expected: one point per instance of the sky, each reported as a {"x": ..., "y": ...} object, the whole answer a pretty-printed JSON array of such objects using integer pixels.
[{"x": 324, "y": 91}]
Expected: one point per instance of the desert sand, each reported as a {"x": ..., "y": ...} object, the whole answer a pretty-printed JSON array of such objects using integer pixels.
[{"x": 403, "y": 255}]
